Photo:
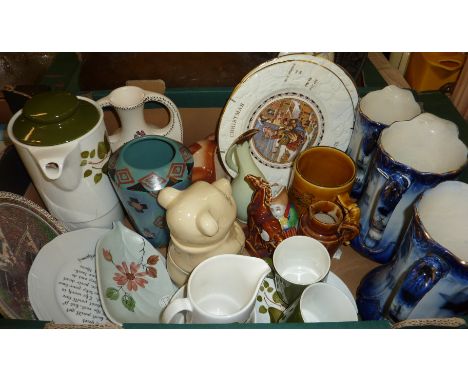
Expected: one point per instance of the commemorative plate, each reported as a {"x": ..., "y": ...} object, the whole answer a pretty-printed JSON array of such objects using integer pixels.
[
  {"x": 25, "y": 228},
  {"x": 338, "y": 70},
  {"x": 295, "y": 105}
]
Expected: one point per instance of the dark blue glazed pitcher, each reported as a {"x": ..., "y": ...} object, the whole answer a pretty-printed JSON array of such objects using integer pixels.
[
  {"x": 411, "y": 157},
  {"x": 428, "y": 278}
]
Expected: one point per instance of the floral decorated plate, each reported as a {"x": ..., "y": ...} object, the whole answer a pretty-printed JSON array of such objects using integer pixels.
[
  {"x": 133, "y": 282},
  {"x": 338, "y": 70},
  {"x": 269, "y": 306},
  {"x": 62, "y": 280},
  {"x": 294, "y": 104},
  {"x": 24, "y": 229}
]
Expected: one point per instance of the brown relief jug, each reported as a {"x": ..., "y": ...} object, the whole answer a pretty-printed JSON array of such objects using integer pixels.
[{"x": 326, "y": 222}]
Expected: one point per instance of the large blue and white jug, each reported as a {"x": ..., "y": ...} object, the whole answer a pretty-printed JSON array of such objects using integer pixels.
[
  {"x": 411, "y": 157},
  {"x": 428, "y": 278},
  {"x": 376, "y": 111}
]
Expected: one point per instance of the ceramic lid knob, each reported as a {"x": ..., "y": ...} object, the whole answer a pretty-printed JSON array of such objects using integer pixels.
[
  {"x": 53, "y": 118},
  {"x": 50, "y": 107}
]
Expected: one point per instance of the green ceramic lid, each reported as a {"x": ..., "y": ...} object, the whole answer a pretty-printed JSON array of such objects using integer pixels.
[{"x": 54, "y": 118}]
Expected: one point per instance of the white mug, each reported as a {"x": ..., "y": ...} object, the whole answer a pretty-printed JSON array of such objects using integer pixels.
[
  {"x": 320, "y": 302},
  {"x": 299, "y": 261}
]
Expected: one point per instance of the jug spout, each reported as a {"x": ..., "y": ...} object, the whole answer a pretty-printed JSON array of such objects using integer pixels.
[{"x": 251, "y": 270}]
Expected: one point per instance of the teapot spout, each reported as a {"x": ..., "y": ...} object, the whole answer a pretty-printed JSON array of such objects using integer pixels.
[{"x": 59, "y": 164}]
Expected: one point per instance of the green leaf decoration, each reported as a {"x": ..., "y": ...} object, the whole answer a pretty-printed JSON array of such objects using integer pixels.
[
  {"x": 97, "y": 178},
  {"x": 265, "y": 284},
  {"x": 270, "y": 289},
  {"x": 269, "y": 261},
  {"x": 85, "y": 154},
  {"x": 102, "y": 150},
  {"x": 128, "y": 302},
  {"x": 277, "y": 298},
  {"x": 92, "y": 153},
  {"x": 105, "y": 168},
  {"x": 83, "y": 162},
  {"x": 262, "y": 309},
  {"x": 87, "y": 173},
  {"x": 275, "y": 314},
  {"x": 262, "y": 289},
  {"x": 106, "y": 143},
  {"x": 259, "y": 298},
  {"x": 112, "y": 293}
]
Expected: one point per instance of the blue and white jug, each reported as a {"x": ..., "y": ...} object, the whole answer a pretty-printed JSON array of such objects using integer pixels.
[
  {"x": 411, "y": 157},
  {"x": 428, "y": 278}
]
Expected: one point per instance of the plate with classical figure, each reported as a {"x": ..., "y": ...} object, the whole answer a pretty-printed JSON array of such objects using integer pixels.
[
  {"x": 294, "y": 105},
  {"x": 25, "y": 228}
]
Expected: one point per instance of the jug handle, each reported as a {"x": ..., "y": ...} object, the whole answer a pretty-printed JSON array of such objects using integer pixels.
[
  {"x": 229, "y": 158},
  {"x": 175, "y": 120},
  {"x": 51, "y": 160},
  {"x": 392, "y": 192},
  {"x": 349, "y": 228},
  {"x": 423, "y": 275},
  {"x": 177, "y": 306},
  {"x": 364, "y": 156}
]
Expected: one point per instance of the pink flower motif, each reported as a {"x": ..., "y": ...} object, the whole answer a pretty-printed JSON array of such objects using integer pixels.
[
  {"x": 107, "y": 255},
  {"x": 131, "y": 277}
]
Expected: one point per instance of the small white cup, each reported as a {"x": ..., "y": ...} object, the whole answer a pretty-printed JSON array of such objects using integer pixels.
[
  {"x": 321, "y": 302},
  {"x": 299, "y": 261}
]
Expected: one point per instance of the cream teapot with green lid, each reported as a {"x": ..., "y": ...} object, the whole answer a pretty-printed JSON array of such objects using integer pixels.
[{"x": 61, "y": 139}]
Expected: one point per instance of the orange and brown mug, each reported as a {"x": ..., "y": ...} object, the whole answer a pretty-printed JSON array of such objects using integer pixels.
[{"x": 323, "y": 173}]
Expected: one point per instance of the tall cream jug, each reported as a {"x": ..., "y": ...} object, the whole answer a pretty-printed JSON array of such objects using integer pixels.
[{"x": 61, "y": 140}]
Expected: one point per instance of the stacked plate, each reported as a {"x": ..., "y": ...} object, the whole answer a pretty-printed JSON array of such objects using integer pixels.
[{"x": 295, "y": 101}]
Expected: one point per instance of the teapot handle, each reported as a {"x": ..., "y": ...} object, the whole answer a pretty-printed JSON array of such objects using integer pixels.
[
  {"x": 175, "y": 121},
  {"x": 177, "y": 306}
]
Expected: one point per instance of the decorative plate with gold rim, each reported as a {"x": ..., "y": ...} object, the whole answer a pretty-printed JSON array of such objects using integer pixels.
[
  {"x": 295, "y": 105},
  {"x": 348, "y": 82},
  {"x": 24, "y": 229}
]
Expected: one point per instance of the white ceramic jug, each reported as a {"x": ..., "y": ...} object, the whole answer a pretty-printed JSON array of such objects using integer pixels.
[
  {"x": 220, "y": 290},
  {"x": 61, "y": 140},
  {"x": 129, "y": 102}
]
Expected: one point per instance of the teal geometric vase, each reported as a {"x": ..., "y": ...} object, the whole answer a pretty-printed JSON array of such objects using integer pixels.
[{"x": 139, "y": 170}]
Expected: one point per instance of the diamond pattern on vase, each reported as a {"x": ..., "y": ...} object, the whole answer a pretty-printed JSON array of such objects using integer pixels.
[
  {"x": 137, "y": 187},
  {"x": 190, "y": 167},
  {"x": 135, "y": 203},
  {"x": 124, "y": 176},
  {"x": 173, "y": 181},
  {"x": 152, "y": 182},
  {"x": 176, "y": 171},
  {"x": 186, "y": 155},
  {"x": 160, "y": 222}
]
